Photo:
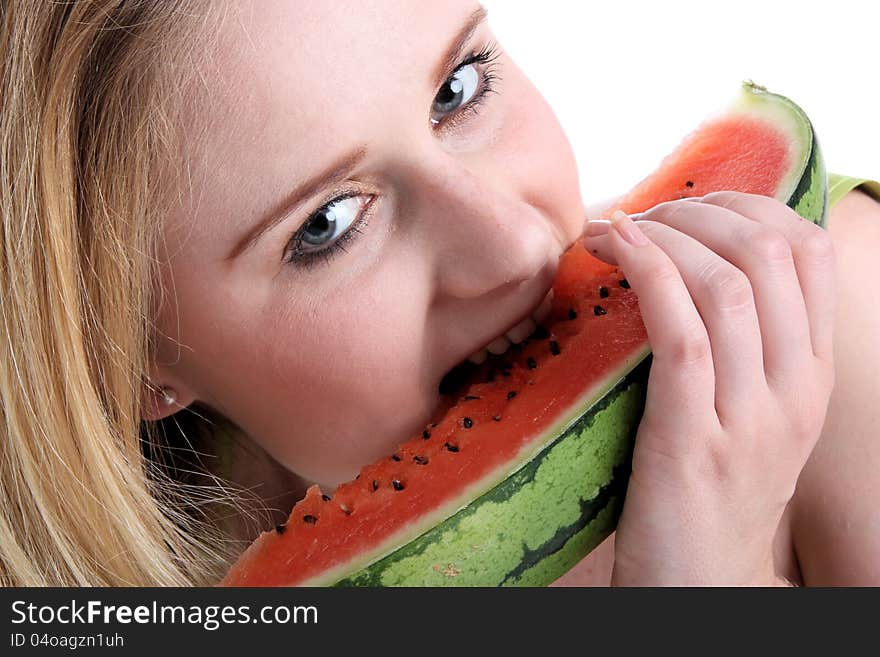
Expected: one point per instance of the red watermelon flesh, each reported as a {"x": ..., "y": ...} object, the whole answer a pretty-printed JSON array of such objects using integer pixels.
[
  {"x": 514, "y": 406},
  {"x": 699, "y": 166}
]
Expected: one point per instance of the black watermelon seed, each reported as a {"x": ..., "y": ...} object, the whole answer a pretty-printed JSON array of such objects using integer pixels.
[
  {"x": 531, "y": 362},
  {"x": 689, "y": 183},
  {"x": 511, "y": 394},
  {"x": 554, "y": 348},
  {"x": 572, "y": 313},
  {"x": 467, "y": 423},
  {"x": 540, "y": 333},
  {"x": 421, "y": 460},
  {"x": 599, "y": 310},
  {"x": 497, "y": 418},
  {"x": 345, "y": 509},
  {"x": 309, "y": 519},
  {"x": 280, "y": 529},
  {"x": 375, "y": 485},
  {"x": 470, "y": 397},
  {"x": 395, "y": 457},
  {"x": 434, "y": 425},
  {"x": 426, "y": 434},
  {"x": 451, "y": 447},
  {"x": 603, "y": 292},
  {"x": 357, "y": 476},
  {"x": 398, "y": 485},
  {"x": 624, "y": 283},
  {"x": 326, "y": 498}
]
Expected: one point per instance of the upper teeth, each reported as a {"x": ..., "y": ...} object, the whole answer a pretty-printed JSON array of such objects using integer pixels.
[{"x": 516, "y": 334}]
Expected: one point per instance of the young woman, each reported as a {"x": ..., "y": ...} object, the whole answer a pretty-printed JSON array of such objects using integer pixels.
[{"x": 293, "y": 218}]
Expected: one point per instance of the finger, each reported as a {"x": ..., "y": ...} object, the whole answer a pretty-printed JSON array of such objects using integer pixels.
[
  {"x": 813, "y": 253},
  {"x": 725, "y": 301},
  {"x": 765, "y": 256},
  {"x": 592, "y": 238},
  {"x": 763, "y": 253},
  {"x": 682, "y": 379}
]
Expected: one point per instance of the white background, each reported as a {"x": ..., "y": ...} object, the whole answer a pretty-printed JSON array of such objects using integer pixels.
[{"x": 629, "y": 79}]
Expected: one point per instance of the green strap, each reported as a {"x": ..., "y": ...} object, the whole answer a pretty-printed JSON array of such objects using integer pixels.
[{"x": 839, "y": 186}]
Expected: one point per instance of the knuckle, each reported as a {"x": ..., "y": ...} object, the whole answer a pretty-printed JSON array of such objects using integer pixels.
[
  {"x": 662, "y": 269},
  {"x": 727, "y": 287},
  {"x": 807, "y": 404},
  {"x": 666, "y": 212},
  {"x": 770, "y": 246},
  {"x": 817, "y": 245},
  {"x": 723, "y": 198},
  {"x": 692, "y": 347}
]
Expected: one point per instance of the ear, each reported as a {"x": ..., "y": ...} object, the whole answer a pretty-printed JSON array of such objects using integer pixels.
[{"x": 161, "y": 400}]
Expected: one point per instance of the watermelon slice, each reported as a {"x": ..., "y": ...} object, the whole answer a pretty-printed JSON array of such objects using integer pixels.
[{"x": 525, "y": 468}]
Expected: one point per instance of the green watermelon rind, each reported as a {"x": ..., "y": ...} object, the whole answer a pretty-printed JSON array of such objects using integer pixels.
[
  {"x": 805, "y": 188},
  {"x": 565, "y": 499},
  {"x": 535, "y": 517},
  {"x": 474, "y": 495}
]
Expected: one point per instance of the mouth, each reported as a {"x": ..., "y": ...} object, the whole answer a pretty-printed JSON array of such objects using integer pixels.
[{"x": 516, "y": 333}]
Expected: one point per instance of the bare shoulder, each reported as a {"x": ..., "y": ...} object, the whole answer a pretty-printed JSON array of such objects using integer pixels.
[
  {"x": 835, "y": 526},
  {"x": 853, "y": 216}
]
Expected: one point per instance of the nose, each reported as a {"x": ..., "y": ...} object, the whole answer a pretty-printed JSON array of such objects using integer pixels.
[{"x": 482, "y": 234}]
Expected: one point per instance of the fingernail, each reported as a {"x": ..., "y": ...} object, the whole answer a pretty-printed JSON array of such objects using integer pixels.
[
  {"x": 627, "y": 229},
  {"x": 597, "y": 227}
]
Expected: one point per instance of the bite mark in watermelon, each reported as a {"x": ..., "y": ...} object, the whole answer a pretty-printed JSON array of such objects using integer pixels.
[{"x": 525, "y": 472}]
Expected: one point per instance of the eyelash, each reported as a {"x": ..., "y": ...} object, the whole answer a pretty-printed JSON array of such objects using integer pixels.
[
  {"x": 307, "y": 260},
  {"x": 489, "y": 78}
]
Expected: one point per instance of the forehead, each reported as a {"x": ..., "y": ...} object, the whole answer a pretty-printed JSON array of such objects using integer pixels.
[{"x": 286, "y": 79}]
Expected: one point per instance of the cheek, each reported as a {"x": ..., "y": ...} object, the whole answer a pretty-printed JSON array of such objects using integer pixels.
[
  {"x": 341, "y": 383},
  {"x": 540, "y": 157},
  {"x": 347, "y": 339}
]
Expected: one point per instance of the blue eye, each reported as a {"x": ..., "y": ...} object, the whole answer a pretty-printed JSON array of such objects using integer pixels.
[
  {"x": 338, "y": 222},
  {"x": 457, "y": 91},
  {"x": 328, "y": 222},
  {"x": 328, "y": 228},
  {"x": 466, "y": 88}
]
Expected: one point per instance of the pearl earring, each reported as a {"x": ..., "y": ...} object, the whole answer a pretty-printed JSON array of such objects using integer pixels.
[{"x": 168, "y": 396}]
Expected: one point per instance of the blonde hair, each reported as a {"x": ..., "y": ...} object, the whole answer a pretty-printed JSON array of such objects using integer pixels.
[{"x": 89, "y": 94}]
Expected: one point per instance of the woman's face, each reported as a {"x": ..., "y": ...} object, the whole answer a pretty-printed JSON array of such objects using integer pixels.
[{"x": 441, "y": 175}]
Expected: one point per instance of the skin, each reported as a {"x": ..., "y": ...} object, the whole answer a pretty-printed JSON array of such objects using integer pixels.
[
  {"x": 742, "y": 341},
  {"x": 467, "y": 220},
  {"x": 828, "y": 534},
  {"x": 466, "y": 229}
]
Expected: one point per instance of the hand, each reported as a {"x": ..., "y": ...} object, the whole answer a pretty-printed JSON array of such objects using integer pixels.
[{"x": 737, "y": 294}]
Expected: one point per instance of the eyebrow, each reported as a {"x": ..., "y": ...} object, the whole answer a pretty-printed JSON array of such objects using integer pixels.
[
  {"x": 453, "y": 53},
  {"x": 342, "y": 167},
  {"x": 339, "y": 169}
]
